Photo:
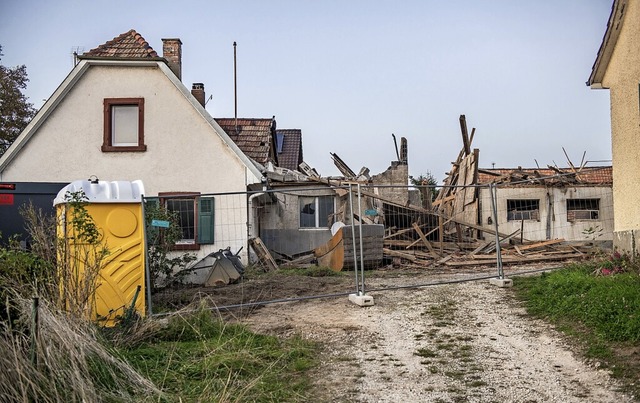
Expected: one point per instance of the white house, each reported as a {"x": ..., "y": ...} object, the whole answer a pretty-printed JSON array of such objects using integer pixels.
[{"x": 123, "y": 113}]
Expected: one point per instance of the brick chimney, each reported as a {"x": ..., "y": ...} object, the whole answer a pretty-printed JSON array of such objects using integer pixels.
[
  {"x": 172, "y": 51},
  {"x": 197, "y": 90}
]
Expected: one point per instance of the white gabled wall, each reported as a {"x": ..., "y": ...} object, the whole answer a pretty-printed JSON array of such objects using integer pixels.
[{"x": 184, "y": 152}]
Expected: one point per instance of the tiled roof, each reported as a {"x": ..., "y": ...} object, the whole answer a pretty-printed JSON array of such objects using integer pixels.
[
  {"x": 586, "y": 176},
  {"x": 290, "y": 155},
  {"x": 128, "y": 45},
  {"x": 253, "y": 136}
]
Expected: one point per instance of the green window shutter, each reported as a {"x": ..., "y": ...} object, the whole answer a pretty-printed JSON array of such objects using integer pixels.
[{"x": 206, "y": 214}]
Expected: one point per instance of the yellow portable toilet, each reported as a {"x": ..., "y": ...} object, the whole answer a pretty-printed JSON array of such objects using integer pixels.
[{"x": 116, "y": 210}]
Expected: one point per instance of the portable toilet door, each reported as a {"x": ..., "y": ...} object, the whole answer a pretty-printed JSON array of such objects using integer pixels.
[{"x": 116, "y": 210}]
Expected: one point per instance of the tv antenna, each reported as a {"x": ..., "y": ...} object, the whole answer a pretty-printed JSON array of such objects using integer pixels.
[{"x": 75, "y": 51}]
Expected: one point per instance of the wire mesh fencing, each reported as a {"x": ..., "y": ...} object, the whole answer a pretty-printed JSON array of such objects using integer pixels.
[{"x": 296, "y": 241}]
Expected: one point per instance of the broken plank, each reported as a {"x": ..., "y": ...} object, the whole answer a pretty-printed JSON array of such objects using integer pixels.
[
  {"x": 264, "y": 257},
  {"x": 444, "y": 259},
  {"x": 481, "y": 247},
  {"x": 424, "y": 239},
  {"x": 518, "y": 250},
  {"x": 541, "y": 244},
  {"x": 404, "y": 231},
  {"x": 513, "y": 259},
  {"x": 443, "y": 200},
  {"x": 490, "y": 248},
  {"x": 395, "y": 253}
]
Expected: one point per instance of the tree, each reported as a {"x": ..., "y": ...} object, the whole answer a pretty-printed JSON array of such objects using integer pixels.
[
  {"x": 426, "y": 184},
  {"x": 15, "y": 111}
]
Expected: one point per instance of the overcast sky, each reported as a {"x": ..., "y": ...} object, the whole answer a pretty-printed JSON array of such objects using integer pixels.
[{"x": 350, "y": 73}]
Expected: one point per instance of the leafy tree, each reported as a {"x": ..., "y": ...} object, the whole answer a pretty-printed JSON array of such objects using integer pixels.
[
  {"x": 15, "y": 111},
  {"x": 426, "y": 184}
]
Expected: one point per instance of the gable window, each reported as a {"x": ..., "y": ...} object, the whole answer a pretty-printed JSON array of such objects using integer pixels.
[
  {"x": 195, "y": 216},
  {"x": 523, "y": 209},
  {"x": 583, "y": 209},
  {"x": 316, "y": 211},
  {"x": 123, "y": 124}
]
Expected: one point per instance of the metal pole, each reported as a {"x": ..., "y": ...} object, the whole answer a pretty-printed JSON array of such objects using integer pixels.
[
  {"x": 147, "y": 269},
  {"x": 361, "y": 248},
  {"x": 353, "y": 237},
  {"x": 494, "y": 195},
  {"x": 34, "y": 330},
  {"x": 235, "y": 87}
]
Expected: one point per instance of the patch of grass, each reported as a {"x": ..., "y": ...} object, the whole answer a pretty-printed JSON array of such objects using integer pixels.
[
  {"x": 314, "y": 271},
  {"x": 459, "y": 374},
  {"x": 426, "y": 353},
  {"x": 200, "y": 358},
  {"x": 446, "y": 346},
  {"x": 601, "y": 312}
]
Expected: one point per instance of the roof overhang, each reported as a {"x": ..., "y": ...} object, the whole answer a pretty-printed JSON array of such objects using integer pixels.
[{"x": 614, "y": 26}]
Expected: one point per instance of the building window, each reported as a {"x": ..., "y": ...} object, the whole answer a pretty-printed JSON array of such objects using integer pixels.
[
  {"x": 316, "y": 211},
  {"x": 583, "y": 209},
  {"x": 195, "y": 216},
  {"x": 523, "y": 209},
  {"x": 123, "y": 124}
]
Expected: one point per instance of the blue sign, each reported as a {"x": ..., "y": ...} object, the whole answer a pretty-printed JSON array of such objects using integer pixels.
[
  {"x": 370, "y": 212},
  {"x": 160, "y": 223}
]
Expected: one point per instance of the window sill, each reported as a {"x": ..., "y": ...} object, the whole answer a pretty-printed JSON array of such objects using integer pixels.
[
  {"x": 186, "y": 246},
  {"x": 111, "y": 149}
]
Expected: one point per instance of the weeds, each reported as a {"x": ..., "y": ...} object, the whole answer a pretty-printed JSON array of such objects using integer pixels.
[
  {"x": 72, "y": 365},
  {"x": 199, "y": 357},
  {"x": 82, "y": 252}
]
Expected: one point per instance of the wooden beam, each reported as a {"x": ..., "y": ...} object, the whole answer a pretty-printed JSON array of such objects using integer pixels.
[
  {"x": 513, "y": 234},
  {"x": 513, "y": 259},
  {"x": 465, "y": 135},
  {"x": 424, "y": 240},
  {"x": 403, "y": 231},
  {"x": 395, "y": 253},
  {"x": 541, "y": 244}
]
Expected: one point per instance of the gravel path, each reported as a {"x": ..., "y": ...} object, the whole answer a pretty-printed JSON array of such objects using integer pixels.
[{"x": 467, "y": 342}]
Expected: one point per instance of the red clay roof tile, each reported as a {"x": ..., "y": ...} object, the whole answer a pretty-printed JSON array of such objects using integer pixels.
[
  {"x": 253, "y": 136},
  {"x": 127, "y": 45}
]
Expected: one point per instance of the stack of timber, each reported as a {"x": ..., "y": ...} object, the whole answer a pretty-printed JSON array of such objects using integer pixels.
[
  {"x": 426, "y": 253},
  {"x": 553, "y": 250}
]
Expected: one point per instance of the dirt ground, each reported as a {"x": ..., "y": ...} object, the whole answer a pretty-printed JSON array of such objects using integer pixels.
[{"x": 453, "y": 342}]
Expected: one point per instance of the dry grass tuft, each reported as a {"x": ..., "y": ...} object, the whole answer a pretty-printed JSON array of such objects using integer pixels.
[{"x": 70, "y": 364}]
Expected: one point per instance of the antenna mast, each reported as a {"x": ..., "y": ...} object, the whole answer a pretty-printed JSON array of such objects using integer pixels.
[{"x": 235, "y": 85}]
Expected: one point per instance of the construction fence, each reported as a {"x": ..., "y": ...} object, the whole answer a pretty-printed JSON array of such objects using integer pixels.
[{"x": 354, "y": 228}]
